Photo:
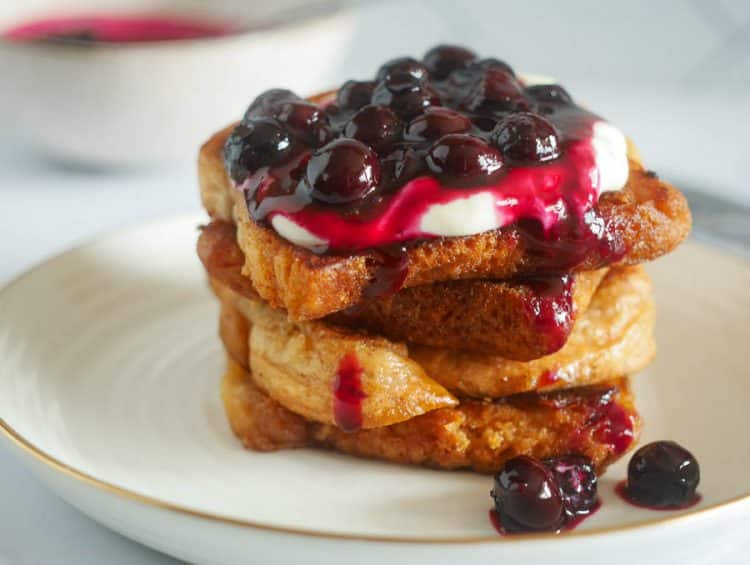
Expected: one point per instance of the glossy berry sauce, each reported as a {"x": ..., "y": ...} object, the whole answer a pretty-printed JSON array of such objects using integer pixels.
[
  {"x": 550, "y": 306},
  {"x": 608, "y": 422},
  {"x": 348, "y": 395},
  {"x": 115, "y": 29},
  {"x": 384, "y": 162}
]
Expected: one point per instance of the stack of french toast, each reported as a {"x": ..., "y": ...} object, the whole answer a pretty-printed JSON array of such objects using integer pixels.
[{"x": 439, "y": 266}]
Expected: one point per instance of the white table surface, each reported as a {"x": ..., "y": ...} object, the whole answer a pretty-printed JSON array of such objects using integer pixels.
[{"x": 692, "y": 137}]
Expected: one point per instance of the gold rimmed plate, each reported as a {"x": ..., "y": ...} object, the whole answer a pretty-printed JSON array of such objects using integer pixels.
[{"x": 109, "y": 391}]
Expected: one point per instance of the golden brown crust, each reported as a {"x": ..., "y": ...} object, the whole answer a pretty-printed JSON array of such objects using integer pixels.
[
  {"x": 614, "y": 337},
  {"x": 488, "y": 317},
  {"x": 649, "y": 216},
  {"x": 297, "y": 364},
  {"x": 475, "y": 435},
  {"x": 476, "y": 316}
]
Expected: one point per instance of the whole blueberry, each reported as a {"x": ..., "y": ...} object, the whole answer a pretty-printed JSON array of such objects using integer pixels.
[
  {"x": 405, "y": 95},
  {"x": 402, "y": 65},
  {"x": 527, "y": 138},
  {"x": 306, "y": 121},
  {"x": 259, "y": 142},
  {"x": 463, "y": 160},
  {"x": 436, "y": 122},
  {"x": 442, "y": 60},
  {"x": 493, "y": 90},
  {"x": 527, "y": 497},
  {"x": 376, "y": 126},
  {"x": 342, "y": 171},
  {"x": 268, "y": 103},
  {"x": 663, "y": 474}
]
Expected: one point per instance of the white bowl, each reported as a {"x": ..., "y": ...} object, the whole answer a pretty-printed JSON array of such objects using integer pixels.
[{"x": 129, "y": 104}]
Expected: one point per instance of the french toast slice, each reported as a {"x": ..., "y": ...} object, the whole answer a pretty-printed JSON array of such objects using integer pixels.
[
  {"x": 298, "y": 364},
  {"x": 520, "y": 320},
  {"x": 599, "y": 422},
  {"x": 647, "y": 218},
  {"x": 614, "y": 337}
]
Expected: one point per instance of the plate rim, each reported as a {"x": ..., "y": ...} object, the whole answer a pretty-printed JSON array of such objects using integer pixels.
[{"x": 53, "y": 463}]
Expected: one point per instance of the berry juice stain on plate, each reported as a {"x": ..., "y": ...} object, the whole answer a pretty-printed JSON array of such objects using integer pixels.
[{"x": 117, "y": 29}]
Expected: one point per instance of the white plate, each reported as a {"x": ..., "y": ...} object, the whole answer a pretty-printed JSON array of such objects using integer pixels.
[{"x": 109, "y": 391}]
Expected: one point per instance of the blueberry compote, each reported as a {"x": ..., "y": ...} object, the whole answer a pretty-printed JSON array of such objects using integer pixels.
[
  {"x": 662, "y": 475},
  {"x": 543, "y": 496},
  {"x": 449, "y": 145},
  {"x": 96, "y": 28},
  {"x": 348, "y": 394}
]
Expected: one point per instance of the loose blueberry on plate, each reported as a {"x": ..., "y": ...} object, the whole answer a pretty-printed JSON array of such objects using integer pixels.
[
  {"x": 343, "y": 171},
  {"x": 376, "y": 126},
  {"x": 527, "y": 138},
  {"x": 527, "y": 497},
  {"x": 460, "y": 159},
  {"x": 257, "y": 143},
  {"x": 663, "y": 474},
  {"x": 444, "y": 59},
  {"x": 532, "y": 495}
]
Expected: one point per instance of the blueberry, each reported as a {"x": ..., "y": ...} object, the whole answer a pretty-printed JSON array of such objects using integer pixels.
[
  {"x": 527, "y": 138},
  {"x": 464, "y": 160},
  {"x": 268, "y": 103},
  {"x": 495, "y": 90},
  {"x": 405, "y": 95},
  {"x": 491, "y": 63},
  {"x": 527, "y": 496},
  {"x": 577, "y": 480},
  {"x": 376, "y": 126},
  {"x": 353, "y": 95},
  {"x": 307, "y": 121},
  {"x": 402, "y": 65},
  {"x": 435, "y": 123},
  {"x": 343, "y": 171},
  {"x": 553, "y": 93},
  {"x": 444, "y": 59},
  {"x": 257, "y": 143},
  {"x": 663, "y": 474}
]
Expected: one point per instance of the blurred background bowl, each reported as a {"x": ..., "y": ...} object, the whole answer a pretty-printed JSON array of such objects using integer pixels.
[{"x": 125, "y": 104}]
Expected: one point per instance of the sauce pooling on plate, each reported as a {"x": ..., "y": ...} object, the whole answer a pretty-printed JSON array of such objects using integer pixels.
[{"x": 116, "y": 29}]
